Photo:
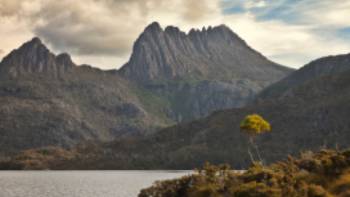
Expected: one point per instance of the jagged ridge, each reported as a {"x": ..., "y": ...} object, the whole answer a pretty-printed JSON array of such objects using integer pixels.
[
  {"x": 34, "y": 57},
  {"x": 48, "y": 100},
  {"x": 212, "y": 53},
  {"x": 199, "y": 72}
]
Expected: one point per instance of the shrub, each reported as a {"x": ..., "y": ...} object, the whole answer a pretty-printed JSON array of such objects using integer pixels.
[{"x": 322, "y": 174}]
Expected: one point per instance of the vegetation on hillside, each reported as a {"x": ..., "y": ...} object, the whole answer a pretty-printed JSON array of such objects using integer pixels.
[
  {"x": 37, "y": 159},
  {"x": 322, "y": 174}
]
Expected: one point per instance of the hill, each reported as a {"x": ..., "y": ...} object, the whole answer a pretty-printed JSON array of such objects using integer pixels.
[{"x": 317, "y": 68}]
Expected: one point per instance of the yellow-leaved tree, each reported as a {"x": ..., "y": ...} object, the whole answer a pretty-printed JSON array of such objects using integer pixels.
[{"x": 254, "y": 125}]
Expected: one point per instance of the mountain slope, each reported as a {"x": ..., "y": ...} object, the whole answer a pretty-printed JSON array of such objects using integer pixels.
[
  {"x": 199, "y": 72},
  {"x": 45, "y": 99},
  {"x": 48, "y": 100},
  {"x": 320, "y": 67},
  {"x": 314, "y": 114}
]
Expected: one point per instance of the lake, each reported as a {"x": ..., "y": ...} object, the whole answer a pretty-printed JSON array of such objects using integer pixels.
[{"x": 79, "y": 183}]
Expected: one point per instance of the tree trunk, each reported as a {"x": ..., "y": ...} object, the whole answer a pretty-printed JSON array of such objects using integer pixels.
[
  {"x": 256, "y": 149},
  {"x": 251, "y": 155}
]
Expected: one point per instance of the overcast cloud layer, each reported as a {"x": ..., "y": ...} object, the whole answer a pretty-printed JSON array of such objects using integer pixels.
[{"x": 101, "y": 32}]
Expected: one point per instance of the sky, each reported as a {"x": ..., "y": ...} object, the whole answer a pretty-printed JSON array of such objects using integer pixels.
[{"x": 102, "y": 32}]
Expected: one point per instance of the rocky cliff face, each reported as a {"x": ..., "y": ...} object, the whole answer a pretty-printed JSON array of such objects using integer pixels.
[
  {"x": 201, "y": 71},
  {"x": 213, "y": 53},
  {"x": 34, "y": 57}
]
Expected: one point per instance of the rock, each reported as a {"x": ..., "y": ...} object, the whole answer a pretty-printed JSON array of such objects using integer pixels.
[
  {"x": 34, "y": 57},
  {"x": 199, "y": 72}
]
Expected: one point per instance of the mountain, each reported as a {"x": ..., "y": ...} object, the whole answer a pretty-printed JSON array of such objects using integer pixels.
[
  {"x": 47, "y": 100},
  {"x": 171, "y": 77},
  {"x": 34, "y": 57},
  {"x": 314, "y": 114},
  {"x": 310, "y": 115},
  {"x": 199, "y": 72},
  {"x": 317, "y": 68},
  {"x": 214, "y": 53}
]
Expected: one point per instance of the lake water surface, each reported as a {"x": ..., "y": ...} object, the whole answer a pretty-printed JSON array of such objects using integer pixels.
[{"x": 79, "y": 183}]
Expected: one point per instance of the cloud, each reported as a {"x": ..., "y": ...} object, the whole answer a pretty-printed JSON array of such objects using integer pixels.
[
  {"x": 102, "y": 29},
  {"x": 254, "y": 4},
  {"x": 102, "y": 32},
  {"x": 328, "y": 13},
  {"x": 109, "y": 28},
  {"x": 12, "y": 35},
  {"x": 195, "y": 11},
  {"x": 89, "y": 28},
  {"x": 292, "y": 32},
  {"x": 9, "y": 8},
  {"x": 292, "y": 45}
]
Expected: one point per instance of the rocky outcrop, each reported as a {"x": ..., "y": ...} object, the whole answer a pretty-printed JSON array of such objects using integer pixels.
[
  {"x": 34, "y": 57},
  {"x": 212, "y": 53},
  {"x": 201, "y": 71}
]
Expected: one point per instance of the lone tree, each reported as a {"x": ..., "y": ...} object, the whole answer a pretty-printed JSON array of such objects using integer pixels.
[{"x": 254, "y": 125}]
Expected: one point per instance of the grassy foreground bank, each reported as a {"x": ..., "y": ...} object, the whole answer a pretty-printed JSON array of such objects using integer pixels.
[{"x": 322, "y": 174}]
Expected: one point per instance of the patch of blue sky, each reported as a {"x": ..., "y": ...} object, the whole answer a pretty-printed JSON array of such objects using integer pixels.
[
  {"x": 283, "y": 10},
  {"x": 233, "y": 10},
  {"x": 344, "y": 33},
  {"x": 232, "y": 7},
  {"x": 282, "y": 13}
]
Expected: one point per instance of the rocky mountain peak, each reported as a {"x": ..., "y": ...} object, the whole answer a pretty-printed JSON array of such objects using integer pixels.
[
  {"x": 65, "y": 59},
  {"x": 32, "y": 48},
  {"x": 153, "y": 28},
  {"x": 172, "y": 30},
  {"x": 34, "y": 57},
  {"x": 213, "y": 52},
  {"x": 35, "y": 42}
]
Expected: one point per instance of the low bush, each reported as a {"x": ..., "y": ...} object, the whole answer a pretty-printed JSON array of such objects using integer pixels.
[{"x": 322, "y": 174}]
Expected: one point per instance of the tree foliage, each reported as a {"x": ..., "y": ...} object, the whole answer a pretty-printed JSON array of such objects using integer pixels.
[{"x": 254, "y": 124}]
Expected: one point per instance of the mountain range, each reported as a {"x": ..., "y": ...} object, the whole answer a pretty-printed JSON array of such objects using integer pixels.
[
  {"x": 308, "y": 110},
  {"x": 171, "y": 77}
]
